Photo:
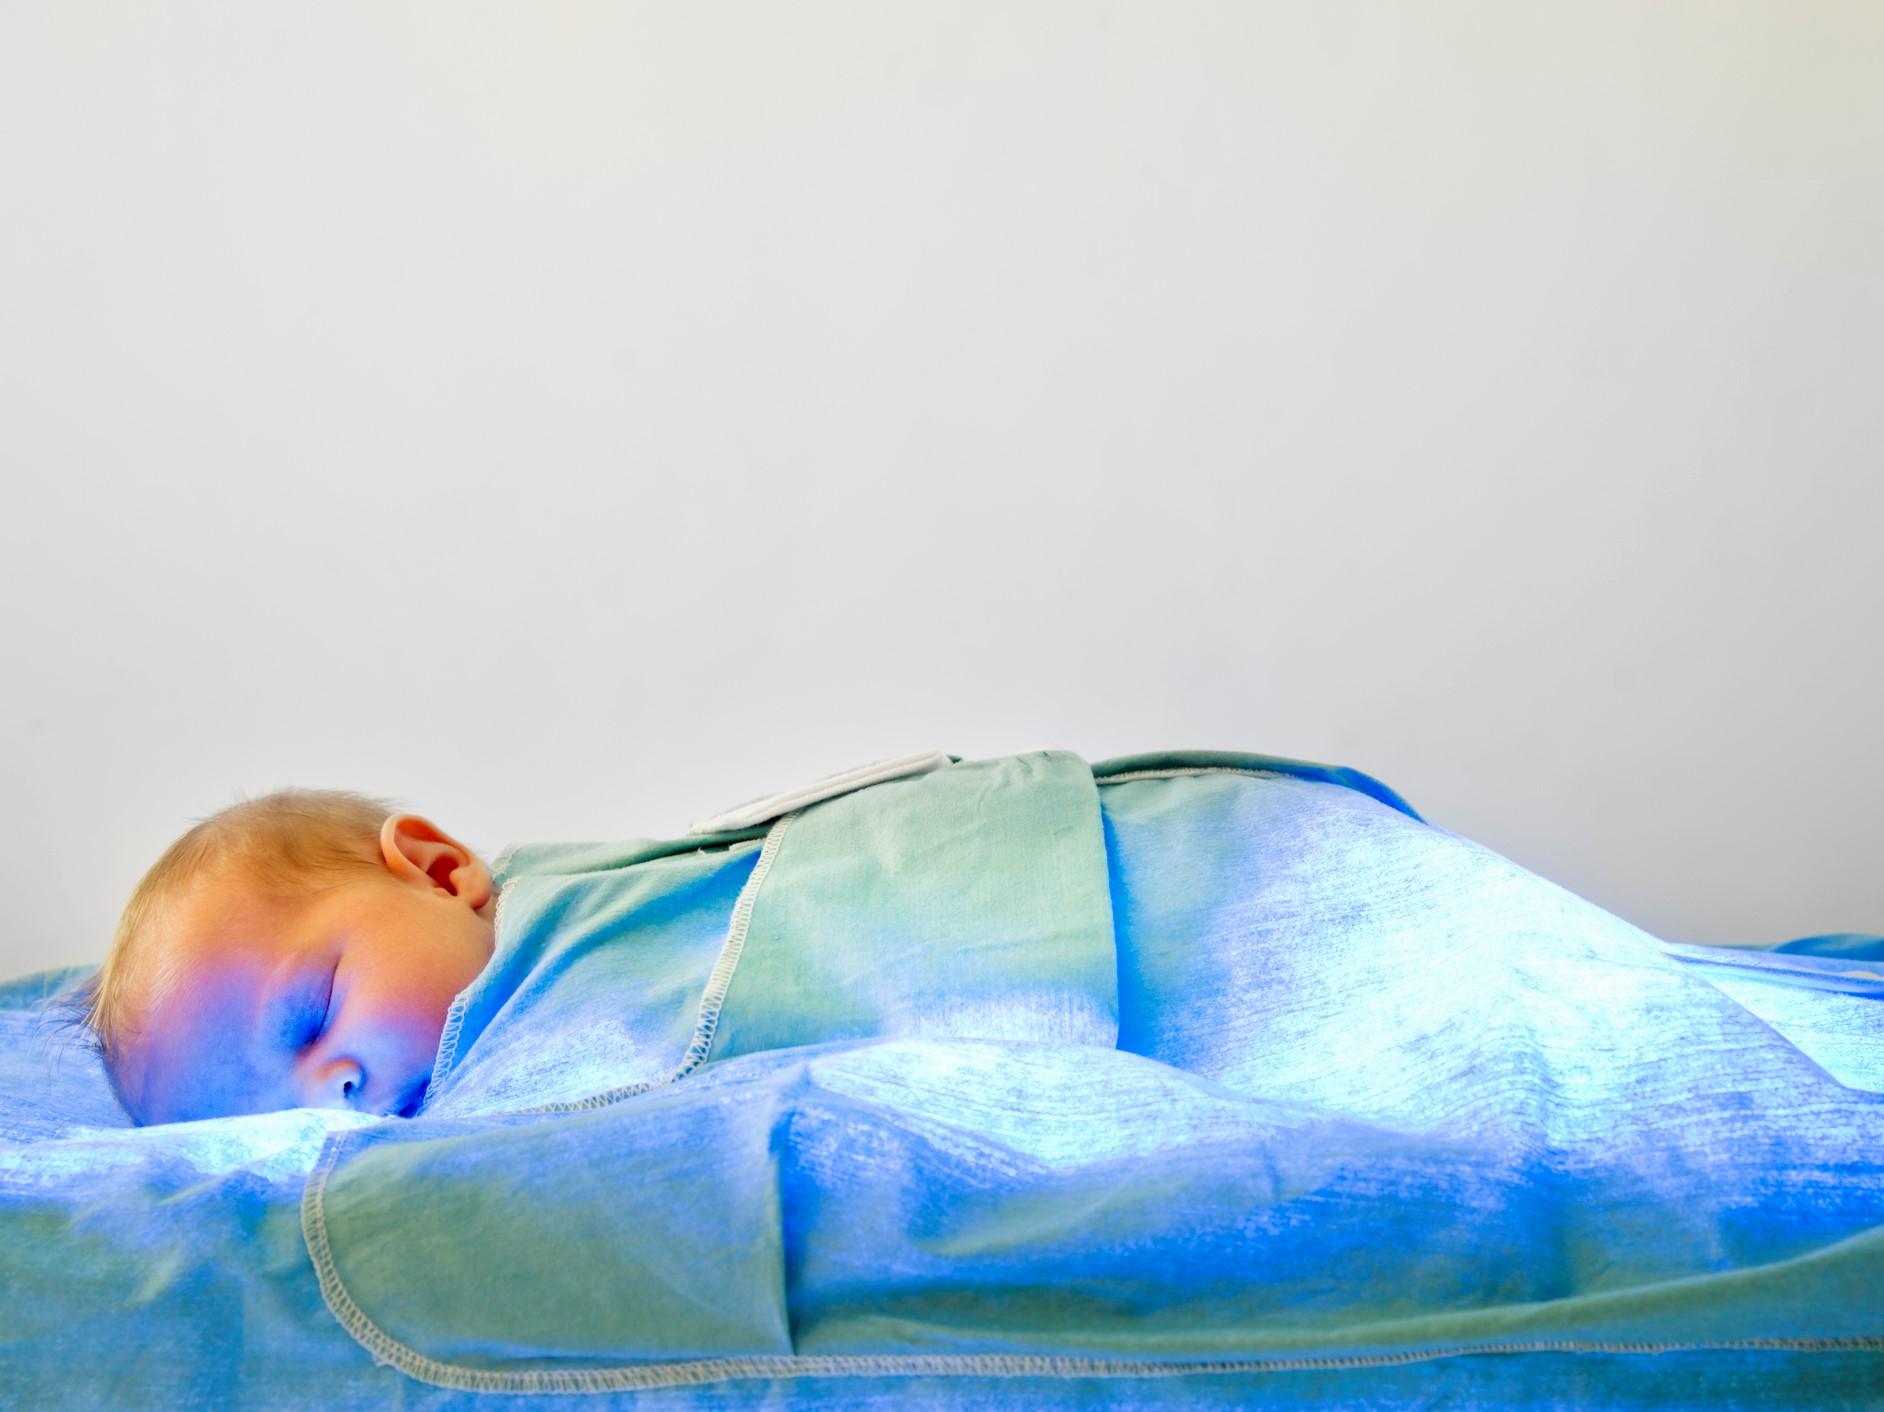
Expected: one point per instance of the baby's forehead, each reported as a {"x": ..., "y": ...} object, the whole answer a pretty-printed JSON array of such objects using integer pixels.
[
  {"x": 201, "y": 956},
  {"x": 191, "y": 1045},
  {"x": 218, "y": 916}
]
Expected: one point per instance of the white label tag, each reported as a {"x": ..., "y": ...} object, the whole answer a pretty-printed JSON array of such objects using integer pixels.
[{"x": 772, "y": 806}]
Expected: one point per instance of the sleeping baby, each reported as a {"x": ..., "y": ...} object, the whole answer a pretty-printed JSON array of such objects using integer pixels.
[
  {"x": 316, "y": 948},
  {"x": 319, "y": 948},
  {"x": 297, "y": 950},
  {"x": 1136, "y": 1058}
]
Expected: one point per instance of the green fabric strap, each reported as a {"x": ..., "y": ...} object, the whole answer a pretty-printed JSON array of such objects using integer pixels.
[{"x": 971, "y": 901}]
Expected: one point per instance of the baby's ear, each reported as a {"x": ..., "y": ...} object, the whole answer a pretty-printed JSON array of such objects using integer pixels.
[{"x": 418, "y": 851}]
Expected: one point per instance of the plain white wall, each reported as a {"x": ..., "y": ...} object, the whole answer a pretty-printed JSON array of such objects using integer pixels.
[{"x": 575, "y": 419}]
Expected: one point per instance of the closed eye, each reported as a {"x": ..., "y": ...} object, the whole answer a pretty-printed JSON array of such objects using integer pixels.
[{"x": 320, "y": 1015}]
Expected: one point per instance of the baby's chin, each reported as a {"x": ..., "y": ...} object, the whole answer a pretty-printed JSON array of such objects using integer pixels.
[
  {"x": 409, "y": 1103},
  {"x": 417, "y": 1054},
  {"x": 405, "y": 1100}
]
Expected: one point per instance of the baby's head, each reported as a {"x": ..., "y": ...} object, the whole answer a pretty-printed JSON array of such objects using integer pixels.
[{"x": 297, "y": 950}]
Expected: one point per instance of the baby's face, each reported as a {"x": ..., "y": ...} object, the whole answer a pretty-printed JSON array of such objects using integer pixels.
[{"x": 334, "y": 1001}]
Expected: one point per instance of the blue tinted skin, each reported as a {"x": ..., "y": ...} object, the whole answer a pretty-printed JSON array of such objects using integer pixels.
[{"x": 333, "y": 1001}]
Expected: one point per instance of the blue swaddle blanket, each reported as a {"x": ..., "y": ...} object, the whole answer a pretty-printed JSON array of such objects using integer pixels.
[{"x": 1173, "y": 1078}]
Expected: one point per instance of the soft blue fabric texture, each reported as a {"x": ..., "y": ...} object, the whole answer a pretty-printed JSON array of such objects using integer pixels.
[
  {"x": 1867, "y": 946},
  {"x": 1388, "y": 1121}
]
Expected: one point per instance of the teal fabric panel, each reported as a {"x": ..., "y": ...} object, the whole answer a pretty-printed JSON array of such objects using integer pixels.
[
  {"x": 568, "y": 1235},
  {"x": 968, "y": 901},
  {"x": 595, "y": 981}
]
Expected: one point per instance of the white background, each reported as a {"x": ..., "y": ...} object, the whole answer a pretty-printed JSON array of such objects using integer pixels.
[{"x": 572, "y": 420}]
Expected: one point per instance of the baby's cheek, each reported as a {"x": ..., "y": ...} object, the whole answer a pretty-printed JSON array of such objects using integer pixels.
[{"x": 426, "y": 1016}]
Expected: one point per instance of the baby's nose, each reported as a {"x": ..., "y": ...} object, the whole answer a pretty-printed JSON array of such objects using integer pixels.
[{"x": 341, "y": 1084}]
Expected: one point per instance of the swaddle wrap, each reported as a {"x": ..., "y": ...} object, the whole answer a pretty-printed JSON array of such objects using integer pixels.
[
  {"x": 969, "y": 901},
  {"x": 1375, "y": 1093}
]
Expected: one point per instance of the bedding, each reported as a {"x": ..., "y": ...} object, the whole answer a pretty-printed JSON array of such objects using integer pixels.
[{"x": 1199, "y": 1078}]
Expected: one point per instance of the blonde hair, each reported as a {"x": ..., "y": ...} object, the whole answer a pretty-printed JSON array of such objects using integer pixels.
[{"x": 289, "y": 844}]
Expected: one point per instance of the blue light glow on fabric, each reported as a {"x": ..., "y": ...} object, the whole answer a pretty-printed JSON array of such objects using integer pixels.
[{"x": 1380, "y": 1116}]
